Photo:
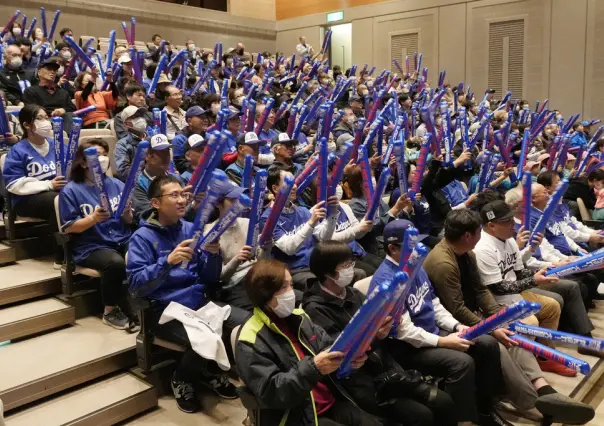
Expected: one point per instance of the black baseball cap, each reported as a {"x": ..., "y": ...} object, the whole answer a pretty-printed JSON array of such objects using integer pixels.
[
  {"x": 491, "y": 91},
  {"x": 496, "y": 211},
  {"x": 50, "y": 63}
]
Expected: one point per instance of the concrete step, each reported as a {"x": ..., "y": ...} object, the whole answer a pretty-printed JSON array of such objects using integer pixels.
[
  {"x": 44, "y": 365},
  {"x": 7, "y": 254},
  {"x": 34, "y": 317},
  {"x": 103, "y": 403},
  {"x": 28, "y": 279}
]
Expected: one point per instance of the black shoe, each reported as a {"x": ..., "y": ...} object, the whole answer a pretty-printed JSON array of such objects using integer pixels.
[
  {"x": 221, "y": 385},
  {"x": 492, "y": 419},
  {"x": 561, "y": 409},
  {"x": 184, "y": 393}
]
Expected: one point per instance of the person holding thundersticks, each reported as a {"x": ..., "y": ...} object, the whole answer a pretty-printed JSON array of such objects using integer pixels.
[
  {"x": 427, "y": 339},
  {"x": 163, "y": 267},
  {"x": 502, "y": 270},
  {"x": 296, "y": 227},
  {"x": 453, "y": 271}
]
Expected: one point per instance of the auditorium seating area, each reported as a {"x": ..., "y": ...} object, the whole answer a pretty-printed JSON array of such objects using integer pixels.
[{"x": 184, "y": 169}]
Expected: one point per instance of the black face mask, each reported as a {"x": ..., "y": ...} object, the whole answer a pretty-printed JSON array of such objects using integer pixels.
[{"x": 240, "y": 52}]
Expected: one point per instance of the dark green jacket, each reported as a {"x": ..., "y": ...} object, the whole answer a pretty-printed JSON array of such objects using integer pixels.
[{"x": 269, "y": 366}]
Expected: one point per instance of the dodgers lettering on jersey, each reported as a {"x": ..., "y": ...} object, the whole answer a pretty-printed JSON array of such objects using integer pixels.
[
  {"x": 419, "y": 301},
  {"x": 79, "y": 200},
  {"x": 288, "y": 224},
  {"x": 553, "y": 232},
  {"x": 455, "y": 193},
  {"x": 24, "y": 161},
  {"x": 343, "y": 224}
]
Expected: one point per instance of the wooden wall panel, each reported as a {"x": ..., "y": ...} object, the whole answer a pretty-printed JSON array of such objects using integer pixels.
[{"x": 260, "y": 9}]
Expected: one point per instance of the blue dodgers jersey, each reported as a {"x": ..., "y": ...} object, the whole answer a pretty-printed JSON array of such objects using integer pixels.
[
  {"x": 553, "y": 231},
  {"x": 24, "y": 161},
  {"x": 343, "y": 224},
  {"x": 78, "y": 200},
  {"x": 455, "y": 193},
  {"x": 419, "y": 299},
  {"x": 288, "y": 224}
]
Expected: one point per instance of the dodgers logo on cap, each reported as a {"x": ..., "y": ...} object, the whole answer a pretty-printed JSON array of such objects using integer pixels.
[
  {"x": 251, "y": 137},
  {"x": 159, "y": 142}
]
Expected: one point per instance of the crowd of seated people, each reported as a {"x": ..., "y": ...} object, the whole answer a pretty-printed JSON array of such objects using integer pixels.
[{"x": 291, "y": 298}]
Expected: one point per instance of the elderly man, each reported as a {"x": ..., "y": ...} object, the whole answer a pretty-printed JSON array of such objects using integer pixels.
[
  {"x": 176, "y": 115},
  {"x": 303, "y": 48},
  {"x": 55, "y": 100},
  {"x": 14, "y": 78}
]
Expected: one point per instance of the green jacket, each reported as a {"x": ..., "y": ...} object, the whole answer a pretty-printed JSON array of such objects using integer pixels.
[{"x": 270, "y": 367}]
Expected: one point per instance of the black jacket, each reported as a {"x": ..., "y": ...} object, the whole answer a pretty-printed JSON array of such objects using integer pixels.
[
  {"x": 269, "y": 366},
  {"x": 579, "y": 188},
  {"x": 41, "y": 96},
  {"x": 9, "y": 83}
]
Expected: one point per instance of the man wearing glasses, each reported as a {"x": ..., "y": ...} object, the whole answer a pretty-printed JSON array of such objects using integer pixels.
[{"x": 157, "y": 163}]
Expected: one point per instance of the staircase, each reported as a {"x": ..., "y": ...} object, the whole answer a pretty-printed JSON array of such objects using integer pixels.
[{"x": 60, "y": 365}]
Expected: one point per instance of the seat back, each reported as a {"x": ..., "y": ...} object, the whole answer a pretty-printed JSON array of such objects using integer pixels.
[
  {"x": 585, "y": 215},
  {"x": 363, "y": 285},
  {"x": 234, "y": 339},
  {"x": 57, "y": 214}
]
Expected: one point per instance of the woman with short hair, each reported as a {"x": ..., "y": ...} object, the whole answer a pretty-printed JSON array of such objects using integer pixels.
[{"x": 284, "y": 358}]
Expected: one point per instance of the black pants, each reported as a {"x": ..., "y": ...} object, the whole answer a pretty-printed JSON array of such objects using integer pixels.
[
  {"x": 192, "y": 366},
  {"x": 42, "y": 206},
  {"x": 472, "y": 379},
  {"x": 345, "y": 413},
  {"x": 428, "y": 407},
  {"x": 113, "y": 273}
]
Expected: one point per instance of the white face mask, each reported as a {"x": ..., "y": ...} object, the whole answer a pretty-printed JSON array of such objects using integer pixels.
[
  {"x": 286, "y": 304},
  {"x": 17, "y": 31},
  {"x": 60, "y": 71},
  {"x": 66, "y": 55},
  {"x": 139, "y": 124},
  {"x": 104, "y": 162},
  {"x": 364, "y": 92},
  {"x": 192, "y": 48},
  {"x": 16, "y": 62},
  {"x": 331, "y": 147},
  {"x": 345, "y": 276},
  {"x": 351, "y": 119},
  {"x": 43, "y": 128},
  {"x": 339, "y": 192}
]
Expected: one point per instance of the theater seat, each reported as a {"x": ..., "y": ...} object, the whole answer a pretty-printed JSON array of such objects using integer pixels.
[
  {"x": 69, "y": 267},
  {"x": 363, "y": 285},
  {"x": 12, "y": 217}
]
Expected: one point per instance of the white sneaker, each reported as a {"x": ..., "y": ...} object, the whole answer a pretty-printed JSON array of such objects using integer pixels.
[
  {"x": 57, "y": 266},
  {"x": 601, "y": 288}
]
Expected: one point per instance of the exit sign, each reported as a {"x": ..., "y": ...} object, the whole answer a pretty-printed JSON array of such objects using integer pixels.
[{"x": 335, "y": 16}]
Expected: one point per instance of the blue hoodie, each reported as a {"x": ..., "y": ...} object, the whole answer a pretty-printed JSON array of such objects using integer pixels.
[{"x": 151, "y": 276}]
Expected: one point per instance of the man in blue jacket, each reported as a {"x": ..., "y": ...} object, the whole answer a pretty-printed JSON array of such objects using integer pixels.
[
  {"x": 155, "y": 271},
  {"x": 197, "y": 123}
]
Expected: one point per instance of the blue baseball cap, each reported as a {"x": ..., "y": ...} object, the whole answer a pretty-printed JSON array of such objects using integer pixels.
[
  {"x": 195, "y": 111},
  {"x": 228, "y": 189},
  {"x": 234, "y": 112},
  {"x": 394, "y": 232}
]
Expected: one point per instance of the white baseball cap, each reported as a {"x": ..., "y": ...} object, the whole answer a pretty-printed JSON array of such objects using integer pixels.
[
  {"x": 196, "y": 141},
  {"x": 159, "y": 142},
  {"x": 249, "y": 138}
]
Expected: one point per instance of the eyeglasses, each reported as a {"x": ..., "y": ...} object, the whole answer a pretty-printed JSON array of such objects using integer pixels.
[{"x": 176, "y": 195}]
